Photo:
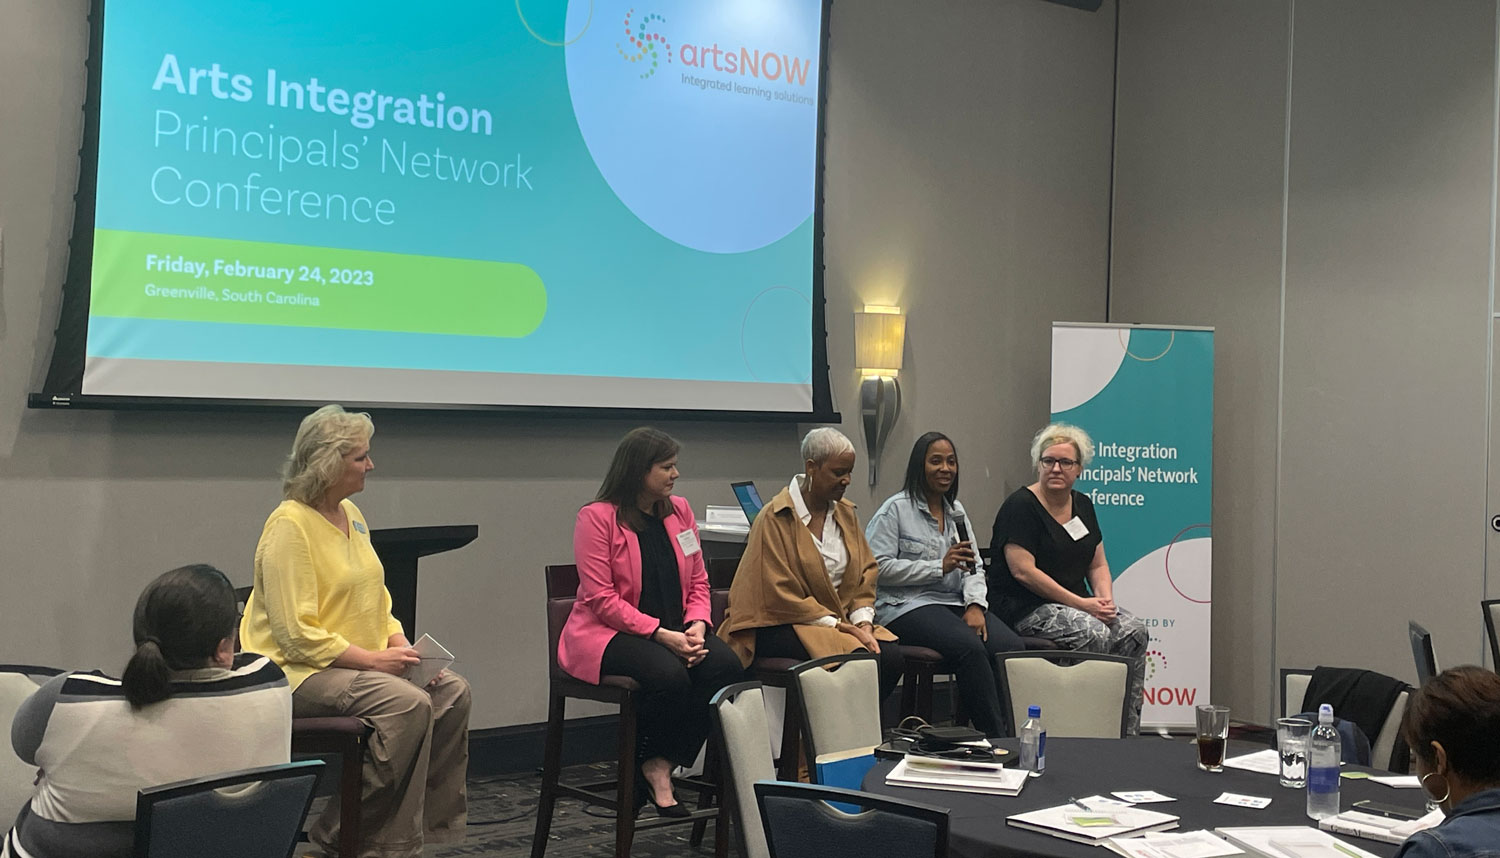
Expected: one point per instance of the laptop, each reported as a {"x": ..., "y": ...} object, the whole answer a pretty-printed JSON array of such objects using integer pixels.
[{"x": 749, "y": 499}]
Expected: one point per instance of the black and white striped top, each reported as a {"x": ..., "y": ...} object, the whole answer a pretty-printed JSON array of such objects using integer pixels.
[{"x": 95, "y": 753}]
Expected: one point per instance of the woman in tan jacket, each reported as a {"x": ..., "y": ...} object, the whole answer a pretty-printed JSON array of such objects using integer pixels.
[{"x": 805, "y": 587}]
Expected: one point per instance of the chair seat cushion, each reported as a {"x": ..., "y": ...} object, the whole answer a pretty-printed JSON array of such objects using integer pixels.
[
  {"x": 335, "y": 724},
  {"x": 624, "y": 682},
  {"x": 921, "y": 654},
  {"x": 1037, "y": 643},
  {"x": 773, "y": 664}
]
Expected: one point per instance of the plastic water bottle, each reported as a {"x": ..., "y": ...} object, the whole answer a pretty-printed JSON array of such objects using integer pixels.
[
  {"x": 1034, "y": 743},
  {"x": 1323, "y": 752}
]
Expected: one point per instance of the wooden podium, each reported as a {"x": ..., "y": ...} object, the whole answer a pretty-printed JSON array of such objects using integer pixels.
[{"x": 399, "y": 549}]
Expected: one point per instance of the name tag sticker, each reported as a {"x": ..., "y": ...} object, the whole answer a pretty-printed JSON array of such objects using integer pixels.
[
  {"x": 689, "y": 542},
  {"x": 1076, "y": 528}
]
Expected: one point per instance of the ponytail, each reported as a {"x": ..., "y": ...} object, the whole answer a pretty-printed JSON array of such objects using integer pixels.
[
  {"x": 148, "y": 677},
  {"x": 180, "y": 619}
]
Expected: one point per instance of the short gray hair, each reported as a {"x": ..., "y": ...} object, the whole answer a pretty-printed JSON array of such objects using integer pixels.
[
  {"x": 1062, "y": 433},
  {"x": 823, "y": 442},
  {"x": 317, "y": 457}
]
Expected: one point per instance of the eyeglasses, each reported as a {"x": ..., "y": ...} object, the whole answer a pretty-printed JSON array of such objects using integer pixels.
[{"x": 1048, "y": 463}]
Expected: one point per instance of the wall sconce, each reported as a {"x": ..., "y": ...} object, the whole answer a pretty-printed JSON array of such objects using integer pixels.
[{"x": 879, "y": 336}]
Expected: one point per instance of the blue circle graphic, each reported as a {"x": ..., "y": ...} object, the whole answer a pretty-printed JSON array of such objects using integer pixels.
[{"x": 702, "y": 117}]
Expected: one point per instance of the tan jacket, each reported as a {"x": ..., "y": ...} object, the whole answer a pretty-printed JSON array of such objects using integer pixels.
[{"x": 781, "y": 580}]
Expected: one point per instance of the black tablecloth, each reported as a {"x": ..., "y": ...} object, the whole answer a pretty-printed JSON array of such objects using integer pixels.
[{"x": 1083, "y": 767}]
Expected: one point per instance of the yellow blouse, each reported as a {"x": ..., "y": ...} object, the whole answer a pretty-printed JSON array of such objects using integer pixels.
[{"x": 316, "y": 592}]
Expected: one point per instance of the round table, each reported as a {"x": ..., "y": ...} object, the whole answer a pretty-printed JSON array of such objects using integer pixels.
[{"x": 1084, "y": 767}]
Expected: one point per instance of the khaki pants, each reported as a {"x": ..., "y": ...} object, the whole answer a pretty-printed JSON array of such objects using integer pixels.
[{"x": 416, "y": 763}]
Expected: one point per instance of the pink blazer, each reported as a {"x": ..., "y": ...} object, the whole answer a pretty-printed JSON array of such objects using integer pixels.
[{"x": 608, "y": 555}]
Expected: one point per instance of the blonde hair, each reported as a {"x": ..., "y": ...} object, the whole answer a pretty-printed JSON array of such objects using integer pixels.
[
  {"x": 317, "y": 457},
  {"x": 1062, "y": 433}
]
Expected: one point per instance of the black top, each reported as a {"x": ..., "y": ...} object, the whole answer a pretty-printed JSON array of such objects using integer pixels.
[
  {"x": 661, "y": 585},
  {"x": 1024, "y": 522}
]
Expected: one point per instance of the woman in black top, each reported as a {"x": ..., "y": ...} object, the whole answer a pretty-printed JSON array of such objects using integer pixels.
[
  {"x": 642, "y": 610},
  {"x": 1055, "y": 582}
]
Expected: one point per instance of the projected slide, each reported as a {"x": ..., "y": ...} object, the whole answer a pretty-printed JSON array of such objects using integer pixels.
[{"x": 468, "y": 201}]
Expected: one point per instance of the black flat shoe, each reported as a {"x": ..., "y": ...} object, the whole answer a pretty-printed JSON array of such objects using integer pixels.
[{"x": 670, "y": 811}]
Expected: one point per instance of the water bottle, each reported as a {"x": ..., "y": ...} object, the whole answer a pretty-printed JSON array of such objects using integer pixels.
[
  {"x": 1034, "y": 743},
  {"x": 1323, "y": 752}
]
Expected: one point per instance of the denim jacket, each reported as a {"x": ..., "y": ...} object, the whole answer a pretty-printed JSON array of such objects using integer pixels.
[
  {"x": 1472, "y": 830},
  {"x": 909, "y": 549}
]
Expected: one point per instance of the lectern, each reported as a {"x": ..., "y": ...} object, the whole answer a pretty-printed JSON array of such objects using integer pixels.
[{"x": 399, "y": 549}]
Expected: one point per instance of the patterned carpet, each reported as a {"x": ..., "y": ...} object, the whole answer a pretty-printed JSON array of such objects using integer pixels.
[{"x": 502, "y": 819}]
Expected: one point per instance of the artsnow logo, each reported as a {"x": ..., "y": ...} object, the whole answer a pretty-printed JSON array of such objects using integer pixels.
[{"x": 645, "y": 43}]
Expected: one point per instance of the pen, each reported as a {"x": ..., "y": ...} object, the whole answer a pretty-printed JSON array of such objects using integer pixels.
[{"x": 1344, "y": 849}]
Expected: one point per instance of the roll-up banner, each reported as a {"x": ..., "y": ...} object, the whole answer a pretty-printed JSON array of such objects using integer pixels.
[{"x": 1145, "y": 395}]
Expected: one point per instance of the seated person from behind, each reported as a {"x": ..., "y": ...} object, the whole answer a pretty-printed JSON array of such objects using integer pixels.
[
  {"x": 932, "y": 587},
  {"x": 1452, "y": 725},
  {"x": 643, "y": 611},
  {"x": 1054, "y": 582},
  {"x": 805, "y": 587},
  {"x": 187, "y": 707},
  {"x": 320, "y": 609}
]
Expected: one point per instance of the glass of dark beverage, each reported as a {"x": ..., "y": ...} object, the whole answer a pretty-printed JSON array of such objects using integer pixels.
[{"x": 1213, "y": 732}]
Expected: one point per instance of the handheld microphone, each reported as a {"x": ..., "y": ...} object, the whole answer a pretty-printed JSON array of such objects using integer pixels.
[{"x": 961, "y": 522}]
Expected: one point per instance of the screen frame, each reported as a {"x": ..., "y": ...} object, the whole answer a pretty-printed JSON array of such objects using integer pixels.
[{"x": 62, "y": 387}]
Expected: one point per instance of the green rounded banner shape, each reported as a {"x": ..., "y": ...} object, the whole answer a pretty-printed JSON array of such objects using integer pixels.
[{"x": 191, "y": 279}]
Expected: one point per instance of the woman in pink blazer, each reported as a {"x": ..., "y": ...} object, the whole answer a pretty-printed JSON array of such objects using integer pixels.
[{"x": 643, "y": 610}]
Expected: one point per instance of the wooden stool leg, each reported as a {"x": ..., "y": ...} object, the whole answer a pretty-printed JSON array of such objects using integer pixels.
[
  {"x": 706, "y": 796},
  {"x": 351, "y": 784},
  {"x": 625, "y": 780},
  {"x": 909, "y": 691},
  {"x": 551, "y": 769}
]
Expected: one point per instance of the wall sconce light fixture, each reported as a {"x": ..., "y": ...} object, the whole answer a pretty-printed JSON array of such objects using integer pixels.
[{"x": 879, "y": 337}]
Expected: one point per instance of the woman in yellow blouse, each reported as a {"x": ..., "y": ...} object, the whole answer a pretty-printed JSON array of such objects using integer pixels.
[{"x": 321, "y": 611}]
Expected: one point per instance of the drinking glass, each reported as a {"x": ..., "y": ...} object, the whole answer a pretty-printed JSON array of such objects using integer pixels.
[
  {"x": 1213, "y": 732},
  {"x": 1291, "y": 742}
]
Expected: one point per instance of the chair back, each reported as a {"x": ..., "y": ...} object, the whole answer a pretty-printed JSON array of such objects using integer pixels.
[
  {"x": 1421, "y": 652},
  {"x": 1491, "y": 609},
  {"x": 254, "y": 813},
  {"x": 1085, "y": 698},
  {"x": 562, "y": 592},
  {"x": 721, "y": 572},
  {"x": 17, "y": 777},
  {"x": 746, "y": 755},
  {"x": 839, "y": 696},
  {"x": 1383, "y": 752},
  {"x": 799, "y": 822}
]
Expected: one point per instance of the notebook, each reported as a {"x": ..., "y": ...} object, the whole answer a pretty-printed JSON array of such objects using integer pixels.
[
  {"x": 1381, "y": 828},
  {"x": 957, "y": 776},
  {"x": 1290, "y": 842},
  {"x": 1071, "y": 822}
]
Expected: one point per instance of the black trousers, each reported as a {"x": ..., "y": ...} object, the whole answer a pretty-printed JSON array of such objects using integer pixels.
[
  {"x": 672, "y": 718},
  {"x": 942, "y": 628},
  {"x": 782, "y": 642}
]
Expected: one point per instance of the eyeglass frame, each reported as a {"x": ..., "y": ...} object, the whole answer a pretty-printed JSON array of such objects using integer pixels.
[{"x": 1048, "y": 463}]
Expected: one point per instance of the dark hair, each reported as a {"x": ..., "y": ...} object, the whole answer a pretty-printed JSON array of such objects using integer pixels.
[
  {"x": 639, "y": 450},
  {"x": 1459, "y": 709},
  {"x": 180, "y": 619},
  {"x": 916, "y": 467}
]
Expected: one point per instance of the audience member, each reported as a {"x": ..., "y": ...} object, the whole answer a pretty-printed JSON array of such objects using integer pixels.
[
  {"x": 187, "y": 707},
  {"x": 1452, "y": 725}
]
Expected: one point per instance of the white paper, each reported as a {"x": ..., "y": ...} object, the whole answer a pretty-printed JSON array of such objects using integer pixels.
[
  {"x": 1292, "y": 842},
  {"x": 1233, "y": 798},
  {"x": 1100, "y": 804},
  {"x": 1267, "y": 762},
  {"x": 435, "y": 660},
  {"x": 1187, "y": 844},
  {"x": 1144, "y": 797},
  {"x": 1397, "y": 781}
]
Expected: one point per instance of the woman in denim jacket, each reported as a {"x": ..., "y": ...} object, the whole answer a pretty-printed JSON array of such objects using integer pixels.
[
  {"x": 931, "y": 590},
  {"x": 1453, "y": 725}
]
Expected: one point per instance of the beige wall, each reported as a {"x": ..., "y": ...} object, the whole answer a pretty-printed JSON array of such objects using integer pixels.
[
  {"x": 1315, "y": 178},
  {"x": 968, "y": 152}
]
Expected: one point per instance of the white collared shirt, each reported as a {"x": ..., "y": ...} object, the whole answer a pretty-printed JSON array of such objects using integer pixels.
[{"x": 835, "y": 553}]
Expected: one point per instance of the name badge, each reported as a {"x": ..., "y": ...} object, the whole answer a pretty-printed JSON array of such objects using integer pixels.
[
  {"x": 359, "y": 526},
  {"x": 689, "y": 542},
  {"x": 1076, "y": 528}
]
